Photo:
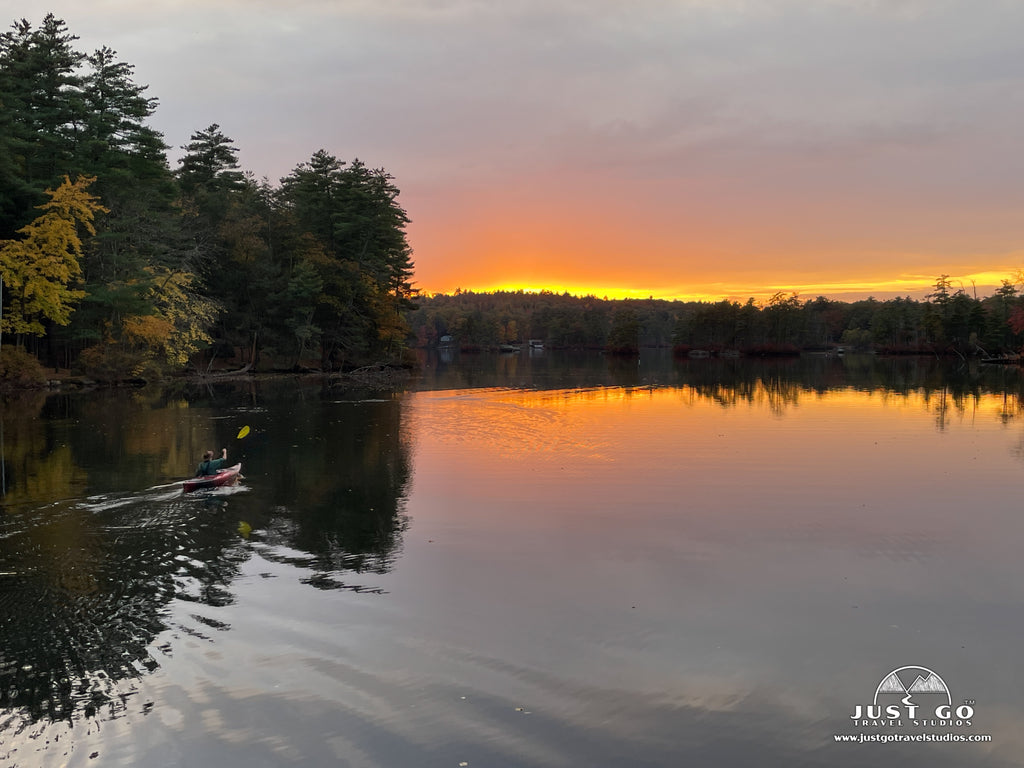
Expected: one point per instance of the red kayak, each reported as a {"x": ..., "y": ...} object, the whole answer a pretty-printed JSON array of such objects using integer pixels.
[{"x": 226, "y": 476}]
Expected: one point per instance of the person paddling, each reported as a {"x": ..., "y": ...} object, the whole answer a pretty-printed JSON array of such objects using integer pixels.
[{"x": 210, "y": 465}]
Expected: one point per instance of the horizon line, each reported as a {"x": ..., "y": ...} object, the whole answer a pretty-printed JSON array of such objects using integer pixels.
[{"x": 905, "y": 286}]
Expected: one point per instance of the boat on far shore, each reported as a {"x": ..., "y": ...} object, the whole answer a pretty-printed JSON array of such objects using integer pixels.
[{"x": 1010, "y": 359}]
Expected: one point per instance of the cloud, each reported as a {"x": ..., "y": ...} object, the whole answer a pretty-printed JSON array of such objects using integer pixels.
[
  {"x": 737, "y": 128},
  {"x": 784, "y": 72}
]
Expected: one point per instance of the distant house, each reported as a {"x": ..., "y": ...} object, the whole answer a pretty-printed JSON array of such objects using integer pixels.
[{"x": 446, "y": 341}]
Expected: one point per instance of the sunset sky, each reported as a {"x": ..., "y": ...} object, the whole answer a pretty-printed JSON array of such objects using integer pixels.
[{"x": 674, "y": 148}]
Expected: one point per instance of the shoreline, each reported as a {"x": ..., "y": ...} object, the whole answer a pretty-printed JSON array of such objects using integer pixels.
[{"x": 380, "y": 376}]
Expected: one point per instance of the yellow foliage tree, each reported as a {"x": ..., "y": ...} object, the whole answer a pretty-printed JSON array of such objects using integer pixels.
[
  {"x": 147, "y": 330},
  {"x": 178, "y": 329},
  {"x": 40, "y": 269}
]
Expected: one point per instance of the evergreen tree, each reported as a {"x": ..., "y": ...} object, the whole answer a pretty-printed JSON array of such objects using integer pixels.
[
  {"x": 245, "y": 251},
  {"x": 624, "y": 335},
  {"x": 140, "y": 240},
  {"x": 999, "y": 335},
  {"x": 41, "y": 94},
  {"x": 324, "y": 259},
  {"x": 354, "y": 214},
  {"x": 210, "y": 163},
  {"x": 299, "y": 306},
  {"x": 116, "y": 144},
  {"x": 209, "y": 181},
  {"x": 14, "y": 194}
]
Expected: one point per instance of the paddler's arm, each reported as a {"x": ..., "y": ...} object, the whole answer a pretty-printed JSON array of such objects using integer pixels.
[{"x": 218, "y": 464}]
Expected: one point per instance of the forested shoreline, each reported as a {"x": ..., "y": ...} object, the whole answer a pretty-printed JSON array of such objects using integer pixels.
[
  {"x": 115, "y": 266},
  {"x": 949, "y": 321}
]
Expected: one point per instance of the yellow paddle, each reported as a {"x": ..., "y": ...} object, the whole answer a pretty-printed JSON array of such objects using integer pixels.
[{"x": 243, "y": 432}]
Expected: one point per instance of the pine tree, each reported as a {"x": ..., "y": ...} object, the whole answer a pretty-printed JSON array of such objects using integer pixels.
[
  {"x": 354, "y": 213},
  {"x": 42, "y": 113},
  {"x": 41, "y": 85},
  {"x": 210, "y": 163},
  {"x": 116, "y": 144}
]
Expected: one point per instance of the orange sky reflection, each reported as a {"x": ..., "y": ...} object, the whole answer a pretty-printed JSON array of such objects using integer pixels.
[{"x": 523, "y": 440}]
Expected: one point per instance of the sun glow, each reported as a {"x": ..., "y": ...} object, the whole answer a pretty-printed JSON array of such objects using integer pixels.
[{"x": 914, "y": 285}]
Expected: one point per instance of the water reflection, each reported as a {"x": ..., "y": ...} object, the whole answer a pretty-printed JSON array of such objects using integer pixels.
[
  {"x": 748, "y": 552},
  {"x": 84, "y": 593},
  {"x": 89, "y": 567},
  {"x": 335, "y": 471},
  {"x": 537, "y": 560},
  {"x": 731, "y": 380}
]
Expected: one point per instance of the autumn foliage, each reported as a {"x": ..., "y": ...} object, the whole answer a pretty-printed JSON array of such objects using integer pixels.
[
  {"x": 41, "y": 268},
  {"x": 135, "y": 266}
]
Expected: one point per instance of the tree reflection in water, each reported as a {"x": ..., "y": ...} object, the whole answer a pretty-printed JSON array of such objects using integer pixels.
[
  {"x": 89, "y": 567},
  {"x": 93, "y": 570}
]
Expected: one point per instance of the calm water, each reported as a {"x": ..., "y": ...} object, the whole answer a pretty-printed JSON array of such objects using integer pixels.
[{"x": 520, "y": 561}]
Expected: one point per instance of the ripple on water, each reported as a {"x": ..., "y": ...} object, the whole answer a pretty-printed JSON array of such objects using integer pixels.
[{"x": 86, "y": 587}]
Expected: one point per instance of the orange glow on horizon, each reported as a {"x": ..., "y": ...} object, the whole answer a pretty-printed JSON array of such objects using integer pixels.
[
  {"x": 618, "y": 242},
  {"x": 916, "y": 286}
]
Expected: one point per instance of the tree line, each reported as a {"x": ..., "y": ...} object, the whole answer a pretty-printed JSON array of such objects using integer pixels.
[
  {"x": 948, "y": 321},
  {"x": 115, "y": 263}
]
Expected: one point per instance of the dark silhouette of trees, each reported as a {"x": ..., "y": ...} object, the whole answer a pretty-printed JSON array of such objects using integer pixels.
[
  {"x": 949, "y": 322},
  {"x": 204, "y": 262}
]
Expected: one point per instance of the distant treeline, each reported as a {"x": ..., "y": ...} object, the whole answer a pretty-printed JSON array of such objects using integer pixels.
[
  {"x": 948, "y": 321},
  {"x": 116, "y": 264}
]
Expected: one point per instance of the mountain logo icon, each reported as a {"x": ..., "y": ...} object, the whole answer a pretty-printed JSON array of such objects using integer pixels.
[{"x": 910, "y": 681}]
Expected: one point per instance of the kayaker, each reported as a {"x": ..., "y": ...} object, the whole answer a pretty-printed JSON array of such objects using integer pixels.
[{"x": 210, "y": 465}]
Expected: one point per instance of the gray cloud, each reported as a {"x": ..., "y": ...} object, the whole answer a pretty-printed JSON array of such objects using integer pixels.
[
  {"x": 776, "y": 72},
  {"x": 899, "y": 113}
]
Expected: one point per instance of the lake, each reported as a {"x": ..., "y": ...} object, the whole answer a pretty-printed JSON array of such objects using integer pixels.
[{"x": 521, "y": 560}]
